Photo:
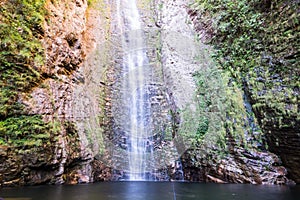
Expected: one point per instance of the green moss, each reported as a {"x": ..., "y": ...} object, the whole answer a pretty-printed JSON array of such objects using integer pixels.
[
  {"x": 21, "y": 52},
  {"x": 21, "y": 58},
  {"x": 90, "y": 2},
  {"x": 24, "y": 131},
  {"x": 221, "y": 110},
  {"x": 204, "y": 126},
  {"x": 257, "y": 42}
]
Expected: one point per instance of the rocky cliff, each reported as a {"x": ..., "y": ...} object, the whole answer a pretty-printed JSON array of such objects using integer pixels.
[
  {"x": 57, "y": 82},
  {"x": 222, "y": 139},
  {"x": 57, "y": 112},
  {"x": 256, "y": 44}
]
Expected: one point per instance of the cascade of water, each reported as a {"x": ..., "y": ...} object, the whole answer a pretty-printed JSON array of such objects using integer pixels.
[{"x": 135, "y": 66}]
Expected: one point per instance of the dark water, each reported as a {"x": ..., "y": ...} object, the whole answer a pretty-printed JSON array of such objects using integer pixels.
[{"x": 153, "y": 191}]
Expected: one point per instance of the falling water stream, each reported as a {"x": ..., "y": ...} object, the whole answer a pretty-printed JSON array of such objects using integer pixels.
[
  {"x": 135, "y": 67},
  {"x": 143, "y": 146}
]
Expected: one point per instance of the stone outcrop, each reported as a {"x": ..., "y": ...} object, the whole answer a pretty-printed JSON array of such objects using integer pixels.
[
  {"x": 240, "y": 166},
  {"x": 64, "y": 36},
  {"x": 178, "y": 51},
  {"x": 285, "y": 143}
]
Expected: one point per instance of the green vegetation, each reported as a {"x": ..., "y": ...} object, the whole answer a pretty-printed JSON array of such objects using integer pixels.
[
  {"x": 202, "y": 123},
  {"x": 211, "y": 98},
  {"x": 21, "y": 58},
  {"x": 21, "y": 52},
  {"x": 221, "y": 113},
  {"x": 257, "y": 43},
  {"x": 24, "y": 131}
]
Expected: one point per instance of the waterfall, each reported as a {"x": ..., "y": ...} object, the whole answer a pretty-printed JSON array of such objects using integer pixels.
[
  {"x": 135, "y": 99},
  {"x": 142, "y": 145}
]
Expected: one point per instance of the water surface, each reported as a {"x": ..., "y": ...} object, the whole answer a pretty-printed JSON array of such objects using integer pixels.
[{"x": 152, "y": 191}]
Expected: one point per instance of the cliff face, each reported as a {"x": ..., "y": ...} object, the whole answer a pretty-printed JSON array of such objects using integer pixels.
[
  {"x": 218, "y": 137},
  {"x": 256, "y": 44},
  {"x": 55, "y": 105},
  {"x": 60, "y": 109}
]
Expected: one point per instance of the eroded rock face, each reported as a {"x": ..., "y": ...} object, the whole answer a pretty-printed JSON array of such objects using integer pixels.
[
  {"x": 68, "y": 99},
  {"x": 64, "y": 36},
  {"x": 278, "y": 117},
  {"x": 238, "y": 165},
  {"x": 285, "y": 143},
  {"x": 178, "y": 49}
]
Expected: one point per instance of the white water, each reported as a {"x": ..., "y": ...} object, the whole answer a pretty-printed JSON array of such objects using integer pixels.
[{"x": 135, "y": 66}]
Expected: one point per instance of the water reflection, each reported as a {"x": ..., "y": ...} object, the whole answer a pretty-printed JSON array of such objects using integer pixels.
[{"x": 152, "y": 191}]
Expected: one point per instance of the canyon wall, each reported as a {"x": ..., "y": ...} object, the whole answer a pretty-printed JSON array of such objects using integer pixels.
[
  {"x": 258, "y": 51},
  {"x": 56, "y": 104},
  {"x": 67, "y": 97},
  {"x": 222, "y": 142}
]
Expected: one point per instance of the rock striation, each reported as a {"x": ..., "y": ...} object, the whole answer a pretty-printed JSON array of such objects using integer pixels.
[
  {"x": 67, "y": 98},
  {"x": 271, "y": 81},
  {"x": 180, "y": 59},
  {"x": 74, "y": 97}
]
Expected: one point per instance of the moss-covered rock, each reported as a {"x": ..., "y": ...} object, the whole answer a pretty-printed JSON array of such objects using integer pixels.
[
  {"x": 257, "y": 42},
  {"x": 21, "y": 51},
  {"x": 40, "y": 48}
]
